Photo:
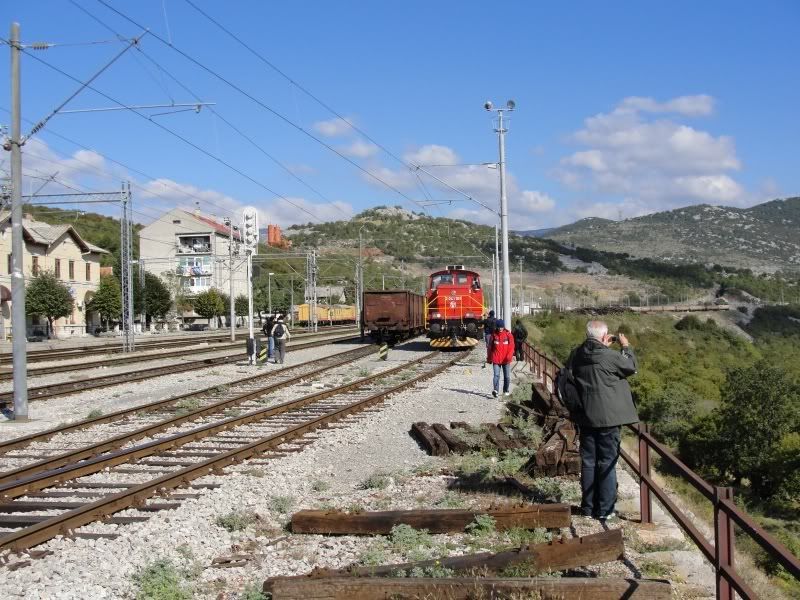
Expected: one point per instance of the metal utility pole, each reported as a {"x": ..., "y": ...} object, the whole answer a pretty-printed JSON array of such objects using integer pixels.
[
  {"x": 18, "y": 325},
  {"x": 269, "y": 291},
  {"x": 250, "y": 231},
  {"x": 291, "y": 300},
  {"x": 232, "y": 315},
  {"x": 313, "y": 304},
  {"x": 126, "y": 257},
  {"x": 358, "y": 298},
  {"x": 501, "y": 132},
  {"x": 143, "y": 313},
  {"x": 519, "y": 299},
  {"x": 497, "y": 309}
]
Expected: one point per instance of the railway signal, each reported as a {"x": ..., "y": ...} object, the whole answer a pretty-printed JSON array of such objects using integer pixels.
[{"x": 250, "y": 239}]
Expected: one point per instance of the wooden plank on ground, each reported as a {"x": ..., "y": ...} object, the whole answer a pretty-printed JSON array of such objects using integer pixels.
[
  {"x": 435, "y": 521},
  {"x": 453, "y": 442},
  {"x": 463, "y": 588},
  {"x": 500, "y": 439},
  {"x": 429, "y": 439}
]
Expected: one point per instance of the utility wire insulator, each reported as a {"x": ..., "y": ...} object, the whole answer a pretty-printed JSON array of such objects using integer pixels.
[{"x": 40, "y": 46}]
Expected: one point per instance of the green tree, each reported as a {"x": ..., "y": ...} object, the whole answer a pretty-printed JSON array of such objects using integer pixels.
[
  {"x": 107, "y": 300},
  {"x": 759, "y": 407},
  {"x": 46, "y": 296},
  {"x": 157, "y": 297},
  {"x": 209, "y": 305},
  {"x": 240, "y": 306}
]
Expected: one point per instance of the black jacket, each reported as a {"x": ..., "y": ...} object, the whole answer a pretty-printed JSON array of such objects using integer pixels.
[
  {"x": 489, "y": 325},
  {"x": 268, "y": 326},
  {"x": 520, "y": 333},
  {"x": 601, "y": 375}
]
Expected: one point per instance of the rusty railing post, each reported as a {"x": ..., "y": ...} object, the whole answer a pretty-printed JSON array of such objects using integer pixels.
[
  {"x": 723, "y": 542},
  {"x": 645, "y": 495}
]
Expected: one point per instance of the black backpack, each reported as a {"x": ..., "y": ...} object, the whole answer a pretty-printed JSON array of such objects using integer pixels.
[
  {"x": 568, "y": 391},
  {"x": 278, "y": 330}
]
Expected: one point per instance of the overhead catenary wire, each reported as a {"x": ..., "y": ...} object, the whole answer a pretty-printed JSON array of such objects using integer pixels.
[
  {"x": 326, "y": 106},
  {"x": 265, "y": 106},
  {"x": 180, "y": 137}
]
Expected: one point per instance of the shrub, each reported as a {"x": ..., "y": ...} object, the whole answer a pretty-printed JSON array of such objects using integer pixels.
[
  {"x": 160, "y": 580},
  {"x": 281, "y": 504},
  {"x": 376, "y": 481},
  {"x": 236, "y": 520},
  {"x": 483, "y": 525},
  {"x": 320, "y": 485},
  {"x": 93, "y": 414}
]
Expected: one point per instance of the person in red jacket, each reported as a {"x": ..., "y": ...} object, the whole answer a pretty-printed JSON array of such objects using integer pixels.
[{"x": 501, "y": 353}]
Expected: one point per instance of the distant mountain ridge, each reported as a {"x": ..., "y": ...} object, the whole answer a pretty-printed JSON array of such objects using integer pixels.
[{"x": 764, "y": 237}]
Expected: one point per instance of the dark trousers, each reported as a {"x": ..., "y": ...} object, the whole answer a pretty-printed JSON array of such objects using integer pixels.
[
  {"x": 599, "y": 454},
  {"x": 280, "y": 350}
]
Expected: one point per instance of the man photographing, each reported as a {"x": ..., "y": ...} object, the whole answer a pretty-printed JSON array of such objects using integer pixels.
[{"x": 601, "y": 378}]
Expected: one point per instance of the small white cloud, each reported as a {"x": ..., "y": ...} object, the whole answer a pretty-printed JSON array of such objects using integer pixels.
[
  {"x": 359, "y": 149},
  {"x": 530, "y": 201},
  {"x": 334, "y": 127},
  {"x": 691, "y": 106}
]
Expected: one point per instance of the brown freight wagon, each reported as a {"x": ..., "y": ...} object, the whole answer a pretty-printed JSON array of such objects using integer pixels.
[{"x": 391, "y": 315}]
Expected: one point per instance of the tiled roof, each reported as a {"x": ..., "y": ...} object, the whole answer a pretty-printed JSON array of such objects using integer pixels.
[
  {"x": 216, "y": 226},
  {"x": 44, "y": 233}
]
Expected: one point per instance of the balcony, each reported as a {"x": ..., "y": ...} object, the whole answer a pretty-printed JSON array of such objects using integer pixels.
[{"x": 194, "y": 245}]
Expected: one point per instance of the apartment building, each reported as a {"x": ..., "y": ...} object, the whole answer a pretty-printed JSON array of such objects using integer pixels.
[
  {"x": 60, "y": 250},
  {"x": 195, "y": 248}
]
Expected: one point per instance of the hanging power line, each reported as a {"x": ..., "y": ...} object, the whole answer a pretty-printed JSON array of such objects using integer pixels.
[
  {"x": 412, "y": 166},
  {"x": 177, "y": 135},
  {"x": 263, "y": 105}
]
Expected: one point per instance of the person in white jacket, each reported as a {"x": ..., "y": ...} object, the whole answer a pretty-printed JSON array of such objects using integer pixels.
[{"x": 280, "y": 333}]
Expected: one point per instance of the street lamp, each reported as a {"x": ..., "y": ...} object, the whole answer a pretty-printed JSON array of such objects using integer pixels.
[
  {"x": 501, "y": 131},
  {"x": 269, "y": 291}
]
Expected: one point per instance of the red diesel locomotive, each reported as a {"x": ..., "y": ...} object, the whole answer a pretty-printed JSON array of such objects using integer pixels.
[{"x": 454, "y": 307}]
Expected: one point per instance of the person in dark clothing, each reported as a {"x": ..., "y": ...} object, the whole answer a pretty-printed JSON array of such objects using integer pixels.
[
  {"x": 489, "y": 327},
  {"x": 267, "y": 329},
  {"x": 280, "y": 333},
  {"x": 520, "y": 335},
  {"x": 601, "y": 378}
]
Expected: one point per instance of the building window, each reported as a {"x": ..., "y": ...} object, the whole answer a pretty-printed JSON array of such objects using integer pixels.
[
  {"x": 72, "y": 270},
  {"x": 176, "y": 221},
  {"x": 88, "y": 271},
  {"x": 58, "y": 268},
  {"x": 35, "y": 260}
]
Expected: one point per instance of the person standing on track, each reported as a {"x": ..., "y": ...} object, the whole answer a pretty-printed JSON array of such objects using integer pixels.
[
  {"x": 606, "y": 404},
  {"x": 280, "y": 333},
  {"x": 501, "y": 353},
  {"x": 268, "y": 333},
  {"x": 520, "y": 335},
  {"x": 489, "y": 326}
]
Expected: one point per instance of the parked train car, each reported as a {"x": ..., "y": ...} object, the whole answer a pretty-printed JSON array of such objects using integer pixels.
[
  {"x": 454, "y": 307},
  {"x": 392, "y": 315},
  {"x": 334, "y": 314}
]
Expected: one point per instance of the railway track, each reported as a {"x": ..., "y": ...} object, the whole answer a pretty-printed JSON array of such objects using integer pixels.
[
  {"x": 50, "y": 354},
  {"x": 46, "y": 392},
  {"x": 7, "y": 373},
  {"x": 56, "y": 447},
  {"x": 58, "y": 501}
]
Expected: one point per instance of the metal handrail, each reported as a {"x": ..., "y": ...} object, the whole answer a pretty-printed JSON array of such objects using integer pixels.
[{"x": 726, "y": 513}]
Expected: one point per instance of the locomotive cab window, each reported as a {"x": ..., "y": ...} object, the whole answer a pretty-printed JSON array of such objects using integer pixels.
[
  {"x": 461, "y": 279},
  {"x": 476, "y": 284},
  {"x": 436, "y": 280}
]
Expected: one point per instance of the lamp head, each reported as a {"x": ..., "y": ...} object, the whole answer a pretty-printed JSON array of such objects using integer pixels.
[
  {"x": 511, "y": 105},
  {"x": 488, "y": 105}
]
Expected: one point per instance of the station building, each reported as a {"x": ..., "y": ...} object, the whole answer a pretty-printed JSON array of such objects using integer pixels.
[{"x": 60, "y": 250}]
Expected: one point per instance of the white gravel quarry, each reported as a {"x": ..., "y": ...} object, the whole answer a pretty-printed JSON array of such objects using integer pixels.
[
  {"x": 46, "y": 414},
  {"x": 327, "y": 472}
]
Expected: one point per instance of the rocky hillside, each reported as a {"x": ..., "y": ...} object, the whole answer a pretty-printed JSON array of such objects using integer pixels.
[
  {"x": 763, "y": 238},
  {"x": 418, "y": 238}
]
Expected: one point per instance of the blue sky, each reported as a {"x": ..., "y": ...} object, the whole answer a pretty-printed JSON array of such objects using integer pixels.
[{"x": 624, "y": 108}]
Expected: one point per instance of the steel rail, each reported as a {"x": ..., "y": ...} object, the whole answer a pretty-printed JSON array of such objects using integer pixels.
[
  {"x": 55, "y": 390},
  {"x": 135, "y": 496},
  {"x": 47, "y": 354},
  {"x": 37, "y": 481},
  {"x": 134, "y": 357},
  {"x": 92, "y": 450},
  {"x": 41, "y": 436}
]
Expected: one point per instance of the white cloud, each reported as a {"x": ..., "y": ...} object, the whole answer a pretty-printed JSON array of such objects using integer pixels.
[
  {"x": 641, "y": 152},
  {"x": 690, "y": 106},
  {"x": 334, "y": 127},
  {"x": 477, "y": 181},
  {"x": 359, "y": 149}
]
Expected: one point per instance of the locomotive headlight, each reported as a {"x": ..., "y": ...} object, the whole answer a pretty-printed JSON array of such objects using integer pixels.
[{"x": 437, "y": 315}]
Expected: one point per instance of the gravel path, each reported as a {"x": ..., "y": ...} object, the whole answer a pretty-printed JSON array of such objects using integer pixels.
[
  {"x": 341, "y": 457},
  {"x": 46, "y": 414}
]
